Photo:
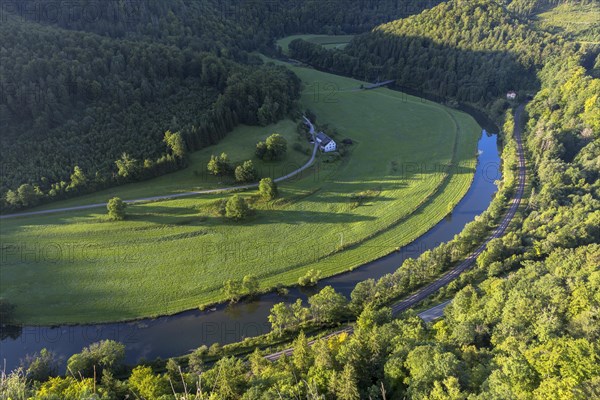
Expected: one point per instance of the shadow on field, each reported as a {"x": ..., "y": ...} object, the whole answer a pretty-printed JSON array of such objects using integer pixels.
[
  {"x": 259, "y": 217},
  {"x": 301, "y": 217},
  {"x": 349, "y": 198}
]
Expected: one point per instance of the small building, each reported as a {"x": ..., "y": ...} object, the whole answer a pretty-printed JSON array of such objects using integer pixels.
[
  {"x": 326, "y": 144},
  {"x": 511, "y": 95}
]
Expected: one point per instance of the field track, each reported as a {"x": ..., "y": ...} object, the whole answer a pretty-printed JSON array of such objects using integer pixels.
[{"x": 449, "y": 276}]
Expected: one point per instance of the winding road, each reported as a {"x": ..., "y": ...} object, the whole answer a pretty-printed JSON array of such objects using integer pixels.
[
  {"x": 178, "y": 195},
  {"x": 451, "y": 275}
]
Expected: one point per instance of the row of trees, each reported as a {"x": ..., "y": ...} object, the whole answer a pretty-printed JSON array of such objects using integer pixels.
[
  {"x": 273, "y": 148},
  {"x": 243, "y": 173},
  {"x": 235, "y": 208}
]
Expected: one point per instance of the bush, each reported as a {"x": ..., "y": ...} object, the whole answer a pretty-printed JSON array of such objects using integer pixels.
[
  {"x": 116, "y": 209},
  {"x": 235, "y": 289},
  {"x": 232, "y": 289},
  {"x": 246, "y": 172},
  {"x": 196, "y": 360},
  {"x": 267, "y": 189},
  {"x": 310, "y": 279},
  {"x": 219, "y": 166},
  {"x": 250, "y": 284},
  {"x": 42, "y": 366},
  {"x": 261, "y": 150},
  {"x": 274, "y": 148},
  {"x": 104, "y": 355},
  {"x": 146, "y": 384},
  {"x": 236, "y": 208}
]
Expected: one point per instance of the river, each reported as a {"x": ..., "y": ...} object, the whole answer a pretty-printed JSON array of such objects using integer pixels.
[{"x": 178, "y": 334}]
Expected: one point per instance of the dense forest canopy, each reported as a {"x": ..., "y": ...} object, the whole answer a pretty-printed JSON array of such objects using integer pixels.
[
  {"x": 528, "y": 8},
  {"x": 471, "y": 51}
]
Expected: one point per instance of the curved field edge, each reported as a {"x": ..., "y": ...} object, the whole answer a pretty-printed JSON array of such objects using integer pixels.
[
  {"x": 400, "y": 233},
  {"x": 414, "y": 222}
]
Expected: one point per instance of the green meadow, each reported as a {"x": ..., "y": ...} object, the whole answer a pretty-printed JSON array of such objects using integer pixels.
[
  {"x": 327, "y": 41},
  {"x": 411, "y": 161}
]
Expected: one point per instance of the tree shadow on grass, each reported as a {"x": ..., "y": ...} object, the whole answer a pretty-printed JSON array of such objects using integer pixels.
[
  {"x": 256, "y": 217},
  {"x": 303, "y": 217},
  {"x": 164, "y": 215},
  {"x": 350, "y": 198}
]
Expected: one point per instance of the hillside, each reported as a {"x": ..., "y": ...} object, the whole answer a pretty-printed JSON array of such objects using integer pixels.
[
  {"x": 79, "y": 99},
  {"x": 470, "y": 51}
]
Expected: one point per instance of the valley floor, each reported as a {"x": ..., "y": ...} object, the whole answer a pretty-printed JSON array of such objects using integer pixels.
[{"x": 411, "y": 161}]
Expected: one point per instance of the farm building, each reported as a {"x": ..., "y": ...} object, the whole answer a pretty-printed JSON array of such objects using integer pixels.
[{"x": 326, "y": 143}]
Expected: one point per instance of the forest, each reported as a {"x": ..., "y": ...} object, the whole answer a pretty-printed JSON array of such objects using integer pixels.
[
  {"x": 88, "y": 84},
  {"x": 523, "y": 324},
  {"x": 458, "y": 50},
  {"x": 95, "y": 104}
]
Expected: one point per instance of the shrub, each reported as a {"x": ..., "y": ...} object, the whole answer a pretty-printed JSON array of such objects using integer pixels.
[
  {"x": 219, "y": 166},
  {"x": 116, "y": 209},
  {"x": 310, "y": 279},
  {"x": 42, "y": 366},
  {"x": 105, "y": 355},
  {"x": 267, "y": 189},
  {"x": 250, "y": 284},
  {"x": 196, "y": 360},
  {"x": 236, "y": 208},
  {"x": 246, "y": 172},
  {"x": 274, "y": 148},
  {"x": 261, "y": 150}
]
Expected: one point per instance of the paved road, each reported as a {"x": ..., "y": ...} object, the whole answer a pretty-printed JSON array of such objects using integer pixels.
[
  {"x": 498, "y": 232},
  {"x": 434, "y": 312},
  {"x": 176, "y": 195},
  {"x": 449, "y": 276}
]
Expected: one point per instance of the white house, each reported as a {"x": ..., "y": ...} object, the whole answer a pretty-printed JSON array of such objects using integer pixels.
[
  {"x": 511, "y": 95},
  {"x": 326, "y": 144}
]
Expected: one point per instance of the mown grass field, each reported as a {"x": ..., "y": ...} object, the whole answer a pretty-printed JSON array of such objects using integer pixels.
[
  {"x": 327, "y": 41},
  {"x": 174, "y": 255}
]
